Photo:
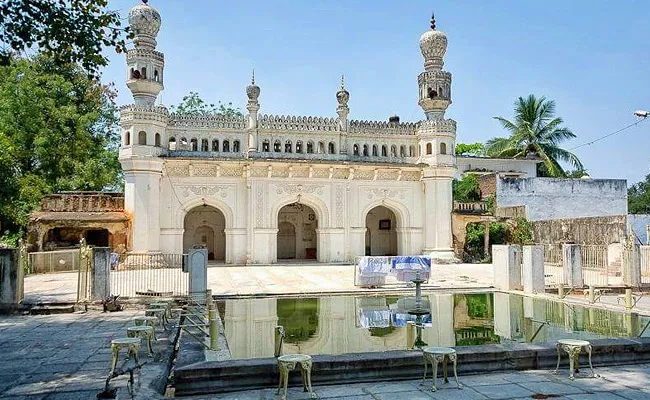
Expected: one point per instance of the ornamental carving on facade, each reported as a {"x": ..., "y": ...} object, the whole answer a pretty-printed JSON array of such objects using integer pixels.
[
  {"x": 339, "y": 205},
  {"x": 225, "y": 171},
  {"x": 204, "y": 190},
  {"x": 178, "y": 170},
  {"x": 299, "y": 189},
  {"x": 385, "y": 193}
]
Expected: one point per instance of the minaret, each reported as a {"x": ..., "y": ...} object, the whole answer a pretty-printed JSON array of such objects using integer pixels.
[
  {"x": 253, "y": 106},
  {"x": 144, "y": 64},
  {"x": 436, "y": 138},
  {"x": 434, "y": 83},
  {"x": 342, "y": 97},
  {"x": 143, "y": 126}
]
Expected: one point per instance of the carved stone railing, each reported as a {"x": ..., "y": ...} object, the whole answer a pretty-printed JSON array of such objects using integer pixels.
[
  {"x": 207, "y": 121},
  {"x": 83, "y": 202},
  {"x": 298, "y": 123},
  {"x": 478, "y": 207},
  {"x": 382, "y": 127}
]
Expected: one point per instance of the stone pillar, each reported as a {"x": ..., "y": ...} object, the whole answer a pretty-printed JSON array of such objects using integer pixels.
[
  {"x": 437, "y": 218},
  {"x": 572, "y": 263},
  {"x": 11, "y": 279},
  {"x": 533, "y": 269},
  {"x": 506, "y": 262},
  {"x": 198, "y": 273},
  {"x": 142, "y": 201},
  {"x": 101, "y": 279},
  {"x": 632, "y": 265}
]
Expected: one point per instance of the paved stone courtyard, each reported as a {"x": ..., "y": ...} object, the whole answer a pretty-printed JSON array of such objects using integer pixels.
[
  {"x": 64, "y": 356},
  {"x": 277, "y": 279},
  {"x": 624, "y": 382}
]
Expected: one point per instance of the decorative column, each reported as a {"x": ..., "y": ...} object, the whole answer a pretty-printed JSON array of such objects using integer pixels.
[
  {"x": 438, "y": 237},
  {"x": 142, "y": 201},
  {"x": 342, "y": 97},
  {"x": 253, "y": 106}
]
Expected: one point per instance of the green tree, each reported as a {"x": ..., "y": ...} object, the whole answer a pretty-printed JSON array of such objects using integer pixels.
[
  {"x": 535, "y": 131},
  {"x": 67, "y": 32},
  {"x": 193, "y": 104},
  {"x": 466, "y": 189},
  {"x": 58, "y": 131},
  {"x": 638, "y": 197},
  {"x": 470, "y": 149}
]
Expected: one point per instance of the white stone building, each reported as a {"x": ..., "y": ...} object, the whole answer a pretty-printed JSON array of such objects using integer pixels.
[{"x": 260, "y": 188}]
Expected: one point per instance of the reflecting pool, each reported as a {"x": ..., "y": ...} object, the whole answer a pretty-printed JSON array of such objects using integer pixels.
[{"x": 352, "y": 324}]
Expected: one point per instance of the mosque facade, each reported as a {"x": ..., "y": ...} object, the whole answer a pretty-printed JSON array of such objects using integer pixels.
[{"x": 261, "y": 189}]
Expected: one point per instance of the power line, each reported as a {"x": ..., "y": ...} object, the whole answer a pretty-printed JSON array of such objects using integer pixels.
[{"x": 609, "y": 134}]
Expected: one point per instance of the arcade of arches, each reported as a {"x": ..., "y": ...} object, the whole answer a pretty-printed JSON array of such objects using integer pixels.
[
  {"x": 205, "y": 225},
  {"x": 381, "y": 232},
  {"x": 297, "y": 239}
]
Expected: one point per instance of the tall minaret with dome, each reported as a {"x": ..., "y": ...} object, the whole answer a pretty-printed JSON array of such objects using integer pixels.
[
  {"x": 436, "y": 138},
  {"x": 144, "y": 126}
]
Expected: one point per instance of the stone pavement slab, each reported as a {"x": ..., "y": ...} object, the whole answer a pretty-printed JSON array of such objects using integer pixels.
[
  {"x": 511, "y": 385},
  {"x": 65, "y": 356}
]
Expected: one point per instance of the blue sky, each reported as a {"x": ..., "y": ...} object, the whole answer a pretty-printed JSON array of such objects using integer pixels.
[{"x": 590, "y": 56}]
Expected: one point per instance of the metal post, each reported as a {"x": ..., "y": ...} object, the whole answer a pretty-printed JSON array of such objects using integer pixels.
[
  {"x": 214, "y": 332},
  {"x": 279, "y": 338},
  {"x": 628, "y": 298},
  {"x": 592, "y": 294},
  {"x": 560, "y": 290}
]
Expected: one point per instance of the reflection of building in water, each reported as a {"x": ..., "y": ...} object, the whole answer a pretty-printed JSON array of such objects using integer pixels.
[
  {"x": 249, "y": 326},
  {"x": 508, "y": 316},
  {"x": 474, "y": 319}
]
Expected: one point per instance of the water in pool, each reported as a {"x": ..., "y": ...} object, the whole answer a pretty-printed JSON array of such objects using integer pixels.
[{"x": 352, "y": 324}]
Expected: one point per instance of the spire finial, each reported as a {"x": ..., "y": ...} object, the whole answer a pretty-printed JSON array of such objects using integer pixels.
[
  {"x": 253, "y": 77},
  {"x": 433, "y": 21},
  {"x": 145, "y": 1},
  {"x": 342, "y": 82}
]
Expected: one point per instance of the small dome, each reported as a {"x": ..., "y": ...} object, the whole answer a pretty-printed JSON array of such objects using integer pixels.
[
  {"x": 433, "y": 43},
  {"x": 342, "y": 96},
  {"x": 253, "y": 91},
  {"x": 144, "y": 20}
]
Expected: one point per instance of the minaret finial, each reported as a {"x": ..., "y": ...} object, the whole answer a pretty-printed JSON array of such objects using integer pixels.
[
  {"x": 342, "y": 82},
  {"x": 145, "y": 1},
  {"x": 433, "y": 21},
  {"x": 253, "y": 77}
]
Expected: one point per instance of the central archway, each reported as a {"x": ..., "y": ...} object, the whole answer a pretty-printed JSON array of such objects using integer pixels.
[
  {"x": 381, "y": 232},
  {"x": 205, "y": 225},
  {"x": 297, "y": 239}
]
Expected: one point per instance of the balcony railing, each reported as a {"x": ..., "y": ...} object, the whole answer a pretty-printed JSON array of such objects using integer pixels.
[{"x": 478, "y": 207}]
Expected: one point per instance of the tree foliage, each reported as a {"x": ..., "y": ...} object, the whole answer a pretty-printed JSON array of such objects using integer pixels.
[
  {"x": 638, "y": 197},
  {"x": 58, "y": 131},
  {"x": 467, "y": 189},
  {"x": 193, "y": 104},
  {"x": 470, "y": 149},
  {"x": 67, "y": 32},
  {"x": 535, "y": 131}
]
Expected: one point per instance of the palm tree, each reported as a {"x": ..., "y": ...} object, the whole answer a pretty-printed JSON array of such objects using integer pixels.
[{"x": 535, "y": 131}]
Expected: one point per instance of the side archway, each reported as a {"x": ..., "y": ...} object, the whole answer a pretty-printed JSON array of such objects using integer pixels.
[{"x": 205, "y": 225}]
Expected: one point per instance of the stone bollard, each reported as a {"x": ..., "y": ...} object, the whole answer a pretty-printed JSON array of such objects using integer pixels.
[
  {"x": 628, "y": 298},
  {"x": 101, "y": 279},
  {"x": 410, "y": 335},
  {"x": 214, "y": 331},
  {"x": 11, "y": 279},
  {"x": 198, "y": 274},
  {"x": 592, "y": 294},
  {"x": 572, "y": 263},
  {"x": 533, "y": 269},
  {"x": 506, "y": 261}
]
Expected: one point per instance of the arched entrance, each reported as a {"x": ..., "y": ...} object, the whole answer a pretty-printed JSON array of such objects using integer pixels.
[
  {"x": 205, "y": 225},
  {"x": 381, "y": 232},
  {"x": 297, "y": 224}
]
